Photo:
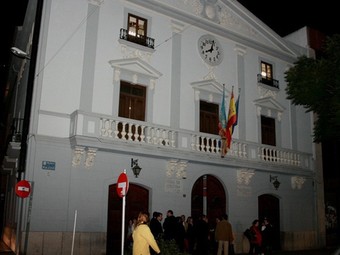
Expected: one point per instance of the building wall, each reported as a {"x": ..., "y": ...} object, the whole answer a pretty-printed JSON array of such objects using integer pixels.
[{"x": 76, "y": 84}]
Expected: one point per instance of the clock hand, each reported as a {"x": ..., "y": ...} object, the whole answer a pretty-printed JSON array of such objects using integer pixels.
[{"x": 211, "y": 48}]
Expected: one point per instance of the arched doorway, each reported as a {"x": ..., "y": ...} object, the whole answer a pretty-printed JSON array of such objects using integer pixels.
[
  {"x": 137, "y": 199},
  {"x": 215, "y": 198},
  {"x": 269, "y": 206}
]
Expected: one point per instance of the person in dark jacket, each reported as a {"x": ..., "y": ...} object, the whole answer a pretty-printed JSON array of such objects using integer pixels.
[
  {"x": 267, "y": 237},
  {"x": 202, "y": 232},
  {"x": 170, "y": 226},
  {"x": 156, "y": 225}
]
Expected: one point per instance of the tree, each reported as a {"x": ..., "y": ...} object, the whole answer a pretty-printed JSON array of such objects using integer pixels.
[{"x": 315, "y": 85}]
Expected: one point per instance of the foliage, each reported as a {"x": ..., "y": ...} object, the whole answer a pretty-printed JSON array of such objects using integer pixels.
[
  {"x": 168, "y": 247},
  {"x": 315, "y": 85}
]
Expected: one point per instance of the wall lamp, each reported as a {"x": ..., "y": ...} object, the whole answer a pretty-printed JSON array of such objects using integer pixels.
[
  {"x": 135, "y": 167},
  {"x": 19, "y": 53},
  {"x": 276, "y": 183}
]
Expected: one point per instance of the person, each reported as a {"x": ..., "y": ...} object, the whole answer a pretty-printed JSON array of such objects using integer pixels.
[
  {"x": 202, "y": 232},
  {"x": 256, "y": 240},
  {"x": 190, "y": 235},
  {"x": 267, "y": 236},
  {"x": 180, "y": 234},
  {"x": 130, "y": 228},
  {"x": 143, "y": 239},
  {"x": 156, "y": 225},
  {"x": 224, "y": 235},
  {"x": 169, "y": 226}
]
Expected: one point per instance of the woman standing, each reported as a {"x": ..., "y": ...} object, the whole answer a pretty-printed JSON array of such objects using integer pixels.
[
  {"x": 256, "y": 240},
  {"x": 143, "y": 239}
]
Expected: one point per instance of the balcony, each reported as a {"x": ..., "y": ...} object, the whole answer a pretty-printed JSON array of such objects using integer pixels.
[
  {"x": 92, "y": 131},
  {"x": 141, "y": 40},
  {"x": 268, "y": 81}
]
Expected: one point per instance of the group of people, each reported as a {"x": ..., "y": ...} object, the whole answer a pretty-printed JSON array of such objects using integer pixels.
[
  {"x": 261, "y": 238},
  {"x": 191, "y": 236}
]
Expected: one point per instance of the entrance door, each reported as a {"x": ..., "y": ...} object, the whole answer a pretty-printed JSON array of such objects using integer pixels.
[
  {"x": 216, "y": 199},
  {"x": 269, "y": 206},
  {"x": 137, "y": 199}
]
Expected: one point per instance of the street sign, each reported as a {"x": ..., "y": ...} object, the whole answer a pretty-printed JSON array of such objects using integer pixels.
[
  {"x": 122, "y": 185},
  {"x": 23, "y": 188}
]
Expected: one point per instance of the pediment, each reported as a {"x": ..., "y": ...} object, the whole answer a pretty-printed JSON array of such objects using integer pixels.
[
  {"x": 269, "y": 103},
  {"x": 210, "y": 86},
  {"x": 135, "y": 65},
  {"x": 228, "y": 19}
]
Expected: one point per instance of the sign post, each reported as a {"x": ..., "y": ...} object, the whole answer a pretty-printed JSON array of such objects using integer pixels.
[{"x": 122, "y": 189}]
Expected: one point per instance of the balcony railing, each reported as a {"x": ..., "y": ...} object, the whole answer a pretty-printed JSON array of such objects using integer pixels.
[
  {"x": 268, "y": 81},
  {"x": 196, "y": 143},
  {"x": 139, "y": 39}
]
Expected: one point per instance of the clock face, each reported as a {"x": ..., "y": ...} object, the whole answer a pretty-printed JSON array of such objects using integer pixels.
[{"x": 210, "y": 50}]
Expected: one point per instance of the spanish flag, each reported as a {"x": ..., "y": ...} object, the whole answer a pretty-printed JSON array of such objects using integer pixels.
[{"x": 232, "y": 118}]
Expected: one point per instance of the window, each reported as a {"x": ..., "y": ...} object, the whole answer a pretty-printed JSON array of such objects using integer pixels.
[
  {"x": 209, "y": 118},
  {"x": 268, "y": 131},
  {"x": 132, "y": 101},
  {"x": 266, "y": 70},
  {"x": 137, "y": 29}
]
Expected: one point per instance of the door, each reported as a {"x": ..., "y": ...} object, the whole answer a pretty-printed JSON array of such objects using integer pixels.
[
  {"x": 216, "y": 199},
  {"x": 269, "y": 206},
  {"x": 137, "y": 199}
]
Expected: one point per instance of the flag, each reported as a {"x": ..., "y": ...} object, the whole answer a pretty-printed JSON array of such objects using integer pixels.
[
  {"x": 236, "y": 106},
  {"x": 232, "y": 118},
  {"x": 222, "y": 125}
]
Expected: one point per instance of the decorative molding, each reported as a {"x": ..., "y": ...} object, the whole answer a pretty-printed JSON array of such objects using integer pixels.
[
  {"x": 297, "y": 182},
  {"x": 78, "y": 152},
  {"x": 90, "y": 157},
  {"x": 177, "y": 168},
  {"x": 244, "y": 176},
  {"x": 96, "y": 2}
]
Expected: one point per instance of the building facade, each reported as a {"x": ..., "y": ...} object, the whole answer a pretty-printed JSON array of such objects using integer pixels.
[{"x": 111, "y": 85}]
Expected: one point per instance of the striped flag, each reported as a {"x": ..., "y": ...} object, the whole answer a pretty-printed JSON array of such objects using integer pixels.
[
  {"x": 222, "y": 125},
  {"x": 232, "y": 118},
  {"x": 236, "y": 105}
]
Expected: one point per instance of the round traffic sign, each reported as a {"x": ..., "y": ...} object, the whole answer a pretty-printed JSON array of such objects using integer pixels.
[
  {"x": 122, "y": 185},
  {"x": 23, "y": 188}
]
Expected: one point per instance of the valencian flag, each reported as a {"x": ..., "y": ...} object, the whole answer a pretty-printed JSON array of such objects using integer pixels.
[
  {"x": 232, "y": 118},
  {"x": 222, "y": 125}
]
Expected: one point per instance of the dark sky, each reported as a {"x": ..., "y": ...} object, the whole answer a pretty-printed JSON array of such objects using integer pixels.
[{"x": 287, "y": 16}]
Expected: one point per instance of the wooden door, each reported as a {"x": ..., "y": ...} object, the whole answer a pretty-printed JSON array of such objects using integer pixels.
[
  {"x": 137, "y": 199},
  {"x": 216, "y": 199}
]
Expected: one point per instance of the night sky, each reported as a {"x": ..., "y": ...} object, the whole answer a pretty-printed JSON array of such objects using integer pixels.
[{"x": 287, "y": 16}]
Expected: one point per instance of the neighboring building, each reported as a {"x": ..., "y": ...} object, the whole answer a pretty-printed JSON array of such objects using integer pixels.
[{"x": 111, "y": 85}]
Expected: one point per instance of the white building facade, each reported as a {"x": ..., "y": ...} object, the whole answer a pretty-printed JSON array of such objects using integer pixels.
[{"x": 125, "y": 80}]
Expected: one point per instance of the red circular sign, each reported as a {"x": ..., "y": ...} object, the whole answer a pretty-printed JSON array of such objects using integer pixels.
[
  {"x": 122, "y": 185},
  {"x": 23, "y": 188}
]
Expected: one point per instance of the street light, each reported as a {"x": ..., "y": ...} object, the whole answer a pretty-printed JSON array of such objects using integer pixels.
[{"x": 135, "y": 167}]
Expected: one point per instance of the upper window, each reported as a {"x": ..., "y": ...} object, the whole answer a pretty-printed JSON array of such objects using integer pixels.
[
  {"x": 137, "y": 29},
  {"x": 209, "y": 118},
  {"x": 266, "y": 70},
  {"x": 132, "y": 101},
  {"x": 266, "y": 76}
]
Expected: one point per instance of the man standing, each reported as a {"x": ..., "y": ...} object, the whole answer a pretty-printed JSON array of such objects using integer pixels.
[
  {"x": 156, "y": 225},
  {"x": 169, "y": 226},
  {"x": 267, "y": 237},
  {"x": 224, "y": 235}
]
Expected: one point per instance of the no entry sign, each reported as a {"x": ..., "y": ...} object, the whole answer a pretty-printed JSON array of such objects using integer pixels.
[
  {"x": 122, "y": 185},
  {"x": 23, "y": 188}
]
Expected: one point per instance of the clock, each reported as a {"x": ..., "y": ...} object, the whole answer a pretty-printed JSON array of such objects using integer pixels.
[{"x": 210, "y": 50}]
